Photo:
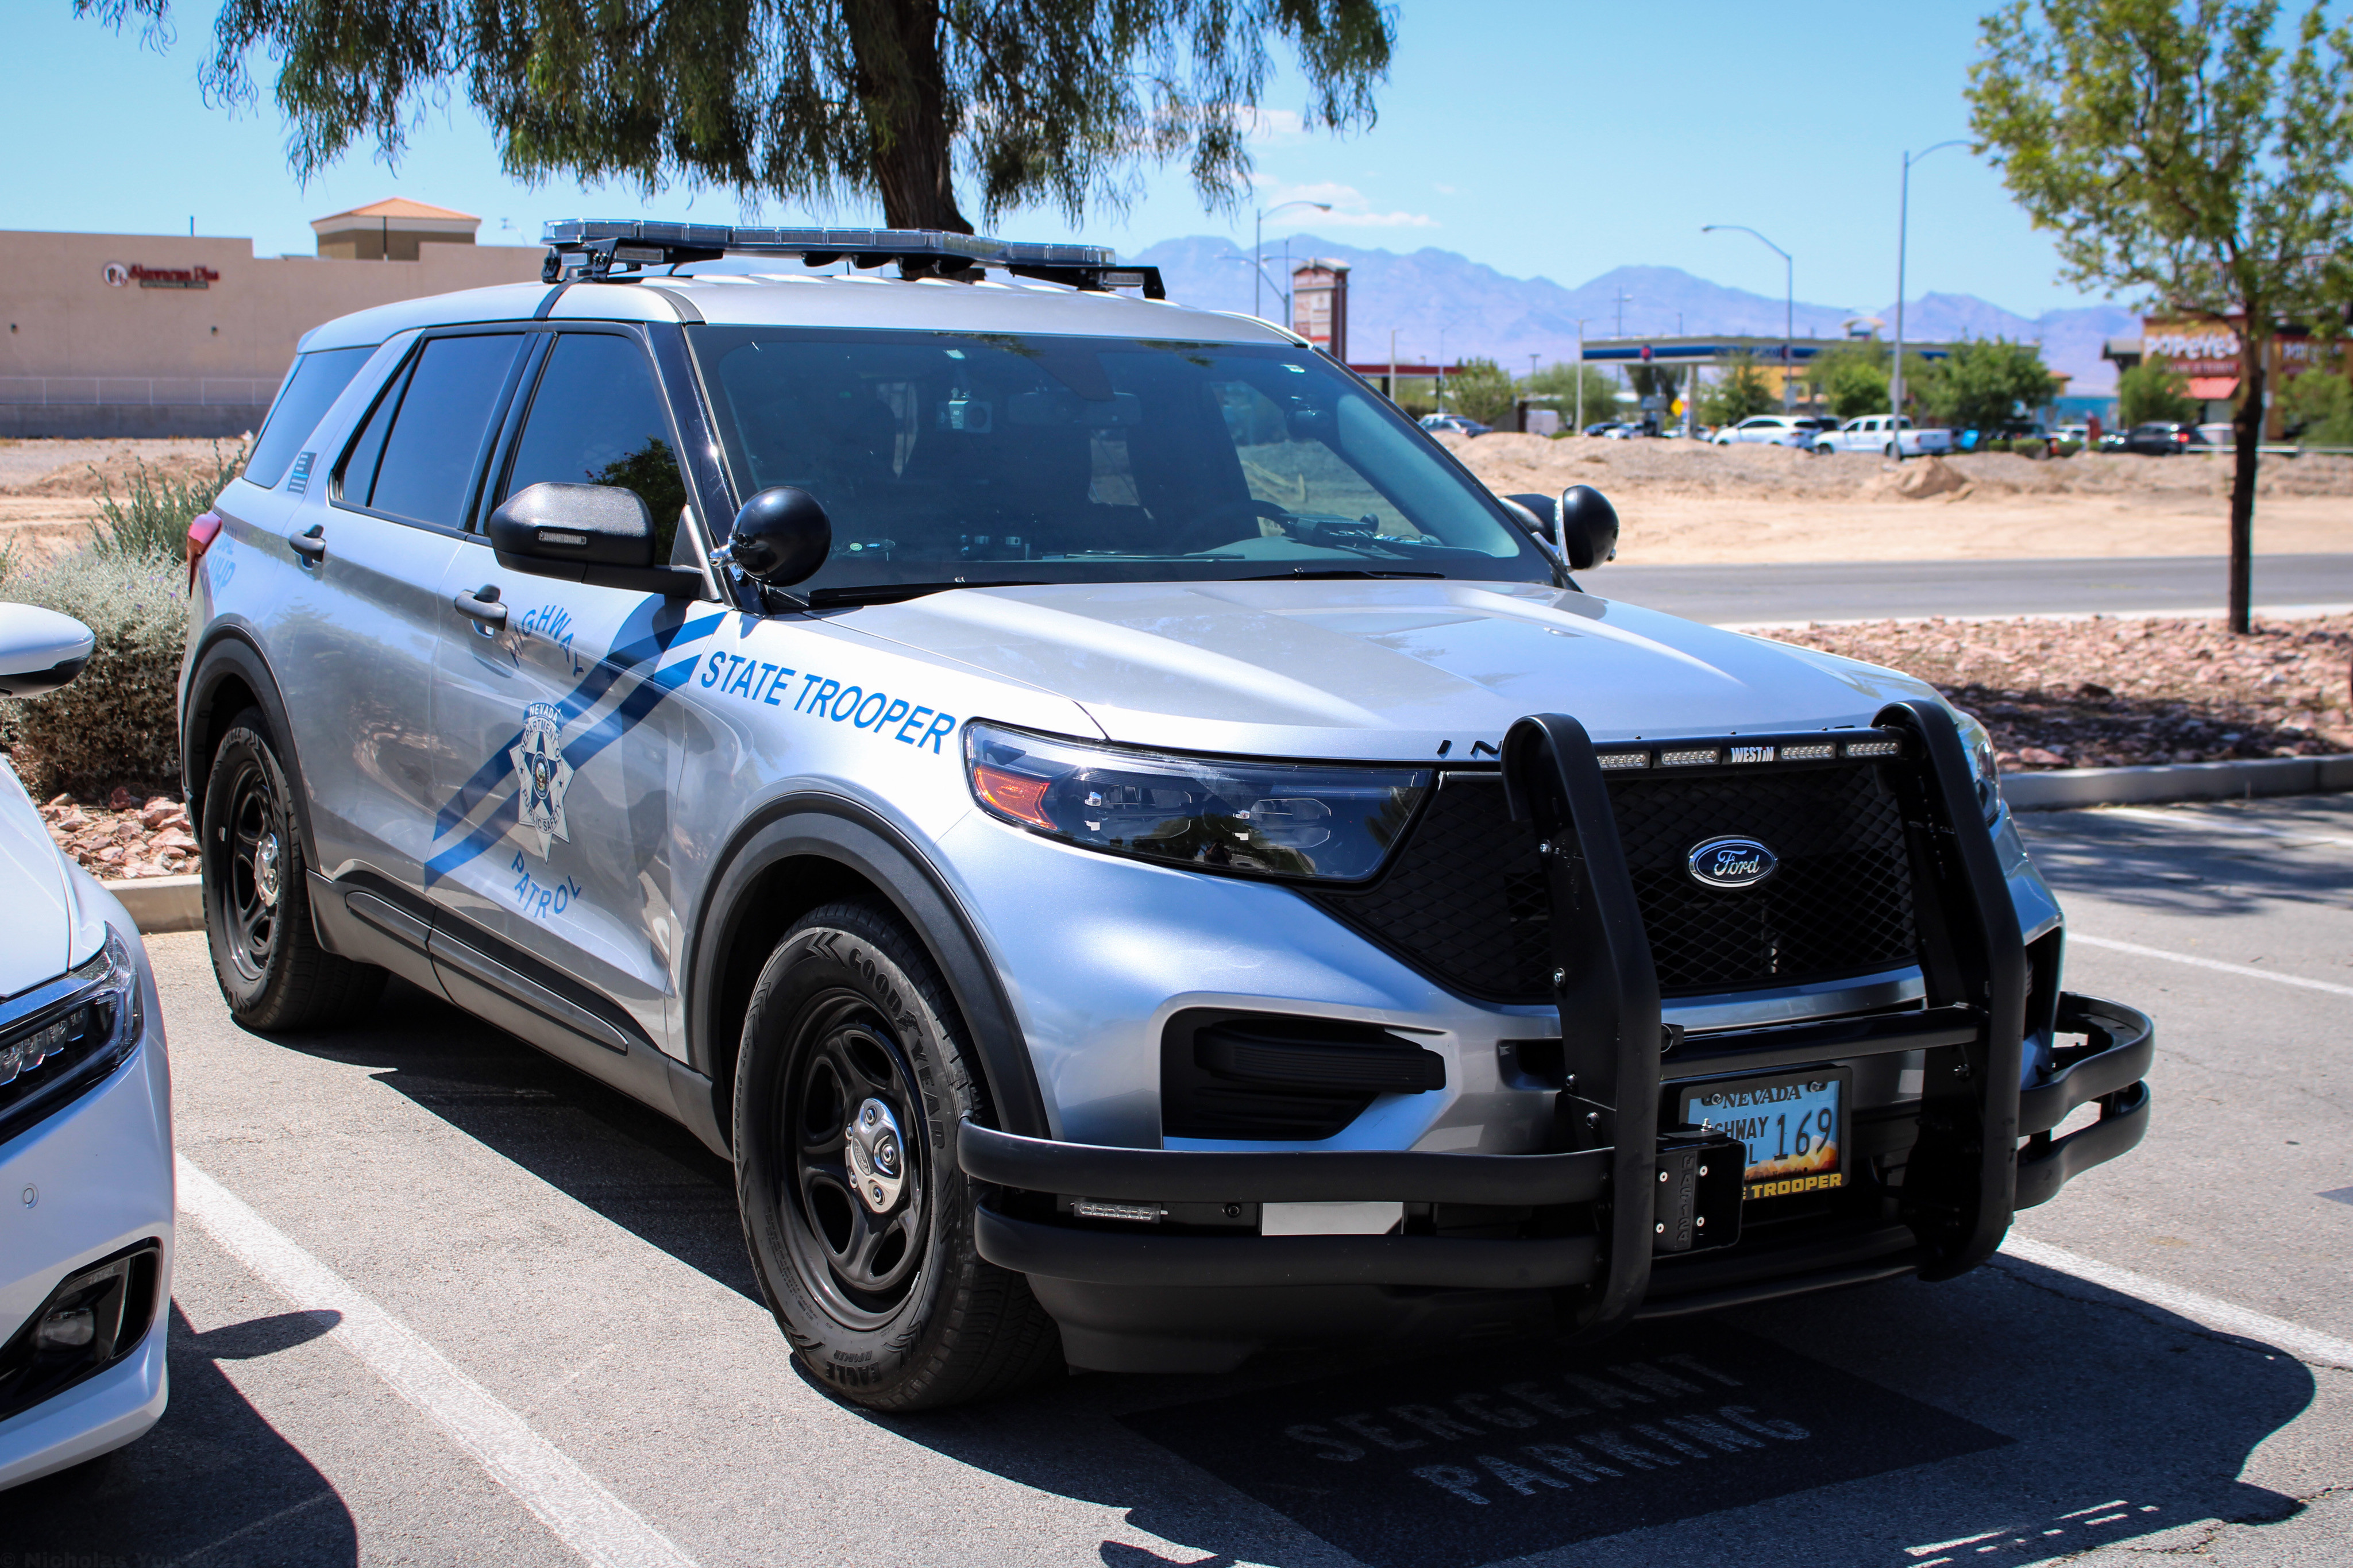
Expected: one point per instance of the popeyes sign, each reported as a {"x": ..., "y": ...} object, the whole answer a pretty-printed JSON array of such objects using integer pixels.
[
  {"x": 2192, "y": 350},
  {"x": 121, "y": 275}
]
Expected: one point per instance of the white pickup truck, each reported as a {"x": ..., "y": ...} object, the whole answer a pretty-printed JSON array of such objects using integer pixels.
[{"x": 1883, "y": 434}]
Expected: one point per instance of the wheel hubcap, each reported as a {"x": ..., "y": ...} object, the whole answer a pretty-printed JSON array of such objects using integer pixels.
[
  {"x": 265, "y": 870},
  {"x": 877, "y": 1156}
]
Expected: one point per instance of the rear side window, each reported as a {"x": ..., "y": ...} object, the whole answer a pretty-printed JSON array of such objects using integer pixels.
[
  {"x": 316, "y": 381},
  {"x": 598, "y": 419},
  {"x": 416, "y": 458}
]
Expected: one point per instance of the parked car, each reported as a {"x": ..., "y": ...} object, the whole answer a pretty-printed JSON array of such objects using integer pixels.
[
  {"x": 85, "y": 1128},
  {"x": 1096, "y": 816},
  {"x": 1883, "y": 434},
  {"x": 1603, "y": 426},
  {"x": 1766, "y": 428},
  {"x": 1460, "y": 425},
  {"x": 2004, "y": 434},
  {"x": 2162, "y": 438}
]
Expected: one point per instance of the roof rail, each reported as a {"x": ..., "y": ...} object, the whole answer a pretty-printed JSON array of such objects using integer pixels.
[{"x": 582, "y": 249}]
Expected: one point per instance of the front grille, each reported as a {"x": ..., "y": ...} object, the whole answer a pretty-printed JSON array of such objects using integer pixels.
[{"x": 1465, "y": 903}]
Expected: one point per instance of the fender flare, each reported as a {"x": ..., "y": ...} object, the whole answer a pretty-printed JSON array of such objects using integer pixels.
[
  {"x": 229, "y": 651},
  {"x": 833, "y": 828}
]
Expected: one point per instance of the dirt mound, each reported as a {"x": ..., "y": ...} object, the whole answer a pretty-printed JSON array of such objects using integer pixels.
[
  {"x": 1509, "y": 462},
  {"x": 90, "y": 469}
]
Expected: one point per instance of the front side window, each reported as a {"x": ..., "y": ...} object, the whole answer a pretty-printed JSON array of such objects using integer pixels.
[
  {"x": 598, "y": 419},
  {"x": 414, "y": 459},
  {"x": 996, "y": 458}
]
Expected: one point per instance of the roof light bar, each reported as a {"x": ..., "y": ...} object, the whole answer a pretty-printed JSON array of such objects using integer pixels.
[{"x": 599, "y": 245}]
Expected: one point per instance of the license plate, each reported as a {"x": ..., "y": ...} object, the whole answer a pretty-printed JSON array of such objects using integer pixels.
[{"x": 1793, "y": 1123}]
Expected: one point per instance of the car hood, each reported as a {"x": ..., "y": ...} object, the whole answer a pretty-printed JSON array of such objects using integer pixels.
[
  {"x": 1388, "y": 670},
  {"x": 37, "y": 916}
]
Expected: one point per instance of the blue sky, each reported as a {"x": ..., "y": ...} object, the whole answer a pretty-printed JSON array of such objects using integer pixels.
[{"x": 1560, "y": 137}]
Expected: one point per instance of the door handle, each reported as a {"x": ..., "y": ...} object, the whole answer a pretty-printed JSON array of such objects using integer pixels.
[
  {"x": 311, "y": 546},
  {"x": 481, "y": 606}
]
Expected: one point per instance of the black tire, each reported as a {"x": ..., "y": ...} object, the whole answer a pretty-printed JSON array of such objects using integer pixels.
[
  {"x": 894, "y": 1310},
  {"x": 266, "y": 953}
]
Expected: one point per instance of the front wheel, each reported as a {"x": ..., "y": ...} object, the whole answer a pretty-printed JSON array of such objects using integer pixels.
[
  {"x": 272, "y": 971},
  {"x": 853, "y": 1076}
]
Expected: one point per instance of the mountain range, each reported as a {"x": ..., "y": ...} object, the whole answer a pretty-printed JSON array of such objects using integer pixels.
[{"x": 1437, "y": 302}]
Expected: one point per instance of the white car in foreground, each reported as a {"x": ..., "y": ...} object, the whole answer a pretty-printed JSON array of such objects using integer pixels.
[
  {"x": 1883, "y": 434},
  {"x": 86, "y": 1184}
]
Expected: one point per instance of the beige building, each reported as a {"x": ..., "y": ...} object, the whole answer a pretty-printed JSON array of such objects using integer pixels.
[{"x": 114, "y": 334}]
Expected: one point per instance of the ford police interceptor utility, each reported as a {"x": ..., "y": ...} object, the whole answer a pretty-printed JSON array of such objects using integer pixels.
[{"x": 1131, "y": 851}]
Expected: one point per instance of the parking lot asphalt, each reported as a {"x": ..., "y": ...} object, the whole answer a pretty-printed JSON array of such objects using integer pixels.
[
  {"x": 1860, "y": 590},
  {"x": 440, "y": 1299}
]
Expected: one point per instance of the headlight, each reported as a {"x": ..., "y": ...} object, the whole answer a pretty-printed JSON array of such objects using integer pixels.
[
  {"x": 1280, "y": 819},
  {"x": 70, "y": 1042},
  {"x": 1985, "y": 769}
]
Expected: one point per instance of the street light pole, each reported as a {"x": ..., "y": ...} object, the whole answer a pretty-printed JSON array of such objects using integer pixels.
[
  {"x": 1788, "y": 299},
  {"x": 1903, "y": 227},
  {"x": 1258, "y": 244}
]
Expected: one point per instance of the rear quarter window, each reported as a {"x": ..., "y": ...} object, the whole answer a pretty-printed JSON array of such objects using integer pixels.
[{"x": 310, "y": 389}]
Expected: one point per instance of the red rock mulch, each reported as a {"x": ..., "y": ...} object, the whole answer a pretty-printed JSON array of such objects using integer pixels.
[
  {"x": 127, "y": 836},
  {"x": 2106, "y": 692}
]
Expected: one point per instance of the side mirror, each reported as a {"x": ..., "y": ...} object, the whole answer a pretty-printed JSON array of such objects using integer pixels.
[
  {"x": 781, "y": 536},
  {"x": 1584, "y": 527},
  {"x": 558, "y": 525},
  {"x": 40, "y": 650}
]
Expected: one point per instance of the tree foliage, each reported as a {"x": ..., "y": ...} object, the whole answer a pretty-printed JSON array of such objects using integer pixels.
[
  {"x": 2153, "y": 391},
  {"x": 1481, "y": 389},
  {"x": 1852, "y": 377},
  {"x": 2316, "y": 408},
  {"x": 1987, "y": 383},
  {"x": 1560, "y": 382},
  {"x": 1740, "y": 392},
  {"x": 823, "y": 102},
  {"x": 2179, "y": 149}
]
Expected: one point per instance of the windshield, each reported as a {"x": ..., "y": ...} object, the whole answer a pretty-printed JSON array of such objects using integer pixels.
[{"x": 987, "y": 457}]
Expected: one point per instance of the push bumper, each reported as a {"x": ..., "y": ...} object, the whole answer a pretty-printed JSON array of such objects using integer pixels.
[{"x": 1983, "y": 1151}]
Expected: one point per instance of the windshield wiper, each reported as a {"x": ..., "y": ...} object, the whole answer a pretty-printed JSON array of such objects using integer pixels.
[
  {"x": 1355, "y": 571},
  {"x": 893, "y": 592}
]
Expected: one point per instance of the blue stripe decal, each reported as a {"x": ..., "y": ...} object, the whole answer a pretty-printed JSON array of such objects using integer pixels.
[
  {"x": 620, "y": 662},
  {"x": 625, "y": 716}
]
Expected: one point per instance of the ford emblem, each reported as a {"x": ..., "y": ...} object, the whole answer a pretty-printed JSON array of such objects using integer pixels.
[{"x": 1731, "y": 863}]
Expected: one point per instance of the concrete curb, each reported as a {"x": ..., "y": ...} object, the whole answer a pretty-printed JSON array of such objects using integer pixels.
[
  {"x": 162, "y": 903},
  {"x": 2061, "y": 788}
]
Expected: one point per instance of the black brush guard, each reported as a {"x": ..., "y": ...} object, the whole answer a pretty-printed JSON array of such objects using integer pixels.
[{"x": 1642, "y": 1186}]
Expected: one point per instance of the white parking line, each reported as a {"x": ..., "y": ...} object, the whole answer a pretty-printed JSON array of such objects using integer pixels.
[
  {"x": 2249, "y": 970},
  {"x": 2308, "y": 1345},
  {"x": 571, "y": 1502}
]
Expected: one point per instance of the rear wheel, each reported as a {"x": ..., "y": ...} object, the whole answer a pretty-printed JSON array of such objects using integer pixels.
[
  {"x": 1891, "y": 452},
  {"x": 853, "y": 1076},
  {"x": 271, "y": 969}
]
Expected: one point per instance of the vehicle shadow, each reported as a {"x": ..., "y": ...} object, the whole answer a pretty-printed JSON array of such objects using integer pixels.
[
  {"x": 2041, "y": 1421},
  {"x": 213, "y": 1484},
  {"x": 2179, "y": 870},
  {"x": 626, "y": 1162},
  {"x": 2108, "y": 1421}
]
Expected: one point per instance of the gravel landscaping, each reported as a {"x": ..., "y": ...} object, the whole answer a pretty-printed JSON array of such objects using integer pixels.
[
  {"x": 127, "y": 836},
  {"x": 2109, "y": 692}
]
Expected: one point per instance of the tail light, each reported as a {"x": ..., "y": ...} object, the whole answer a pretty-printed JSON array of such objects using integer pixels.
[{"x": 201, "y": 534}]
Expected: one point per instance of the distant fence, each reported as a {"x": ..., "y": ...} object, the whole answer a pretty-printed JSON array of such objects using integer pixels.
[{"x": 135, "y": 391}]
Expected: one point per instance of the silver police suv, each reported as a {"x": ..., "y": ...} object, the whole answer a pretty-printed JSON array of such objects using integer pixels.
[{"x": 1131, "y": 850}]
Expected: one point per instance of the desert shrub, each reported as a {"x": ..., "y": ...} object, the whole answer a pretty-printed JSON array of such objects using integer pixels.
[
  {"x": 2030, "y": 446},
  {"x": 2067, "y": 448},
  {"x": 120, "y": 719},
  {"x": 152, "y": 520}
]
